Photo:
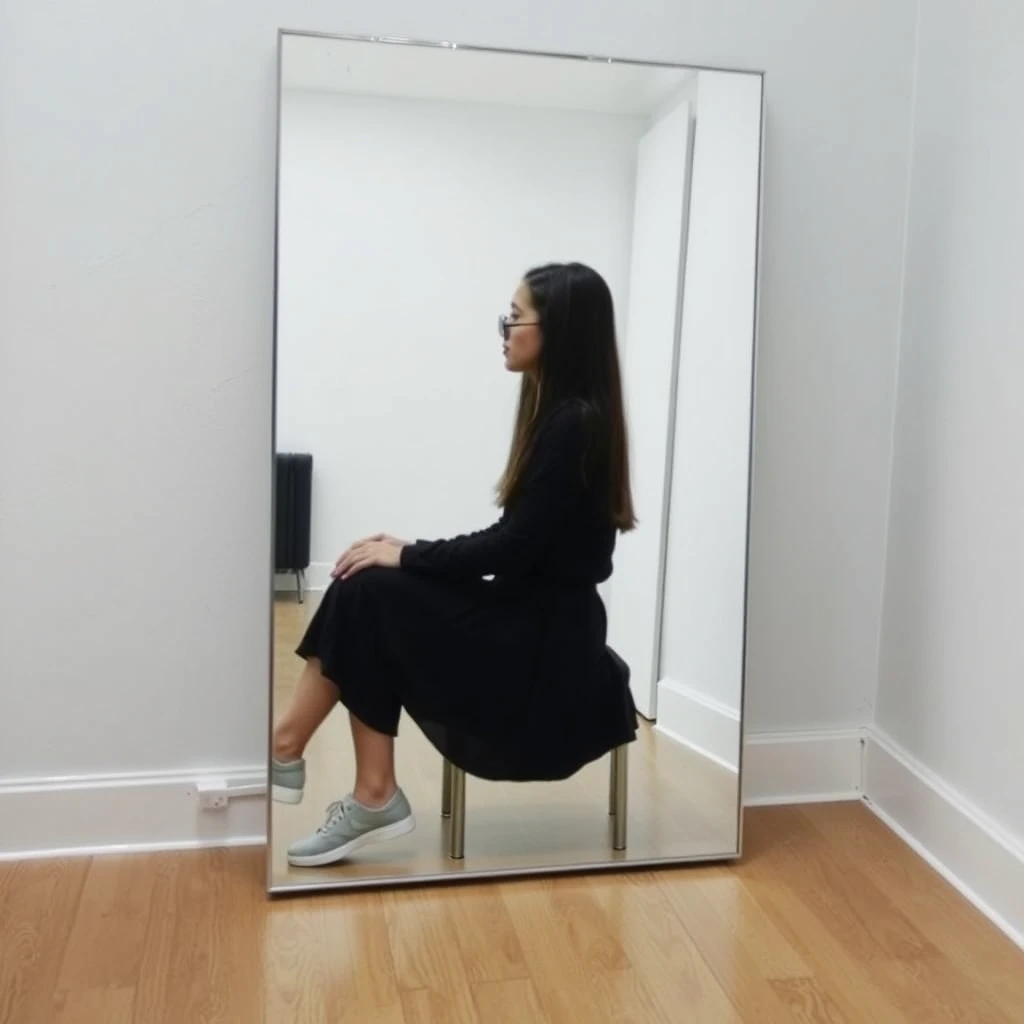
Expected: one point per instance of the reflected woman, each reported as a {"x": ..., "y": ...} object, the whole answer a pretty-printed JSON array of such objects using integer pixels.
[{"x": 494, "y": 643}]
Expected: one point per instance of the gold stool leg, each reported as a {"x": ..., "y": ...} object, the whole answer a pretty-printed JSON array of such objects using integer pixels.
[
  {"x": 620, "y": 795},
  {"x": 446, "y": 790},
  {"x": 457, "y": 833}
]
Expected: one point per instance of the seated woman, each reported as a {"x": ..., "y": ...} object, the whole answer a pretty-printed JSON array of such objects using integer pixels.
[{"x": 509, "y": 677}]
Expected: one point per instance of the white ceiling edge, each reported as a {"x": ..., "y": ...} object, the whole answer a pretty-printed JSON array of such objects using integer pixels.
[{"x": 355, "y": 67}]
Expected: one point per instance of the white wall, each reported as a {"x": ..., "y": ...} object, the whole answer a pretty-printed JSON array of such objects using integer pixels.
[
  {"x": 950, "y": 680},
  {"x": 393, "y": 274},
  {"x": 137, "y": 261}
]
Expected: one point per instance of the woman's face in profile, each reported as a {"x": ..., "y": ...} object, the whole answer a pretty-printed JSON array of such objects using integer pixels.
[{"x": 521, "y": 333}]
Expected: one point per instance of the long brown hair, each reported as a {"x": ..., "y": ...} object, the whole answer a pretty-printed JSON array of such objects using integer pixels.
[{"x": 579, "y": 362}]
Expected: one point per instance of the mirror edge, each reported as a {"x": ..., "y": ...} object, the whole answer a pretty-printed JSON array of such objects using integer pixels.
[{"x": 751, "y": 459}]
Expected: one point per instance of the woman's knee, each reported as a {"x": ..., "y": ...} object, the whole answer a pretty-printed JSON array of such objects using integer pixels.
[{"x": 375, "y": 576}]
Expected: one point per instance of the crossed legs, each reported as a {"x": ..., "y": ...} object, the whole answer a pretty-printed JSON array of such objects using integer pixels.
[{"x": 314, "y": 699}]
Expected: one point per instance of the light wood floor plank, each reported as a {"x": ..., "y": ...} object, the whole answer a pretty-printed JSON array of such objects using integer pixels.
[
  {"x": 806, "y": 1002},
  {"x": 92, "y": 1005},
  {"x": 114, "y": 890},
  {"x": 570, "y": 986},
  {"x": 479, "y": 923},
  {"x": 744, "y": 951},
  {"x": 429, "y": 967},
  {"x": 914, "y": 957},
  {"x": 667, "y": 958},
  {"x": 330, "y": 960},
  {"x": 840, "y": 919},
  {"x": 509, "y": 1002},
  {"x": 204, "y": 922},
  {"x": 955, "y": 929},
  {"x": 781, "y": 875},
  {"x": 38, "y": 906}
]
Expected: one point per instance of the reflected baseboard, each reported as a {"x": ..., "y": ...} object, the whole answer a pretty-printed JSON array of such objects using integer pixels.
[
  {"x": 318, "y": 576},
  {"x": 706, "y": 726}
]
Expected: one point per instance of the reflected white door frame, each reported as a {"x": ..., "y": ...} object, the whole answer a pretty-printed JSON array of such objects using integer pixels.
[{"x": 650, "y": 371}]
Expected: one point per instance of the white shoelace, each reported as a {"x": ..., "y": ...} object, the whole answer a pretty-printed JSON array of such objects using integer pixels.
[{"x": 335, "y": 812}]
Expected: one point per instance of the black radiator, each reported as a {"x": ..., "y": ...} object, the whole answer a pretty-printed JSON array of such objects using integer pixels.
[{"x": 293, "y": 499}]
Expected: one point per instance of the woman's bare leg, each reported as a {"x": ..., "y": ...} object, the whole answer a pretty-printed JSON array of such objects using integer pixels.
[
  {"x": 375, "y": 764},
  {"x": 315, "y": 697}
]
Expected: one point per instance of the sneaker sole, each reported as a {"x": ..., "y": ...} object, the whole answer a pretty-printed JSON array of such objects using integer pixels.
[
  {"x": 286, "y": 795},
  {"x": 378, "y": 835}
]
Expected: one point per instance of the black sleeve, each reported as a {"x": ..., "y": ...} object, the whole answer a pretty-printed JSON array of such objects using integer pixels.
[{"x": 550, "y": 491}]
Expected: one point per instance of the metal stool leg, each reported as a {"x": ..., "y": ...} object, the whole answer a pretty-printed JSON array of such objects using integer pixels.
[
  {"x": 446, "y": 790},
  {"x": 457, "y": 835},
  {"x": 612, "y": 777},
  {"x": 620, "y": 795}
]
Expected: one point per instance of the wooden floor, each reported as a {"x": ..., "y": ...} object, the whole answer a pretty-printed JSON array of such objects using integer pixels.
[
  {"x": 828, "y": 918},
  {"x": 680, "y": 804}
]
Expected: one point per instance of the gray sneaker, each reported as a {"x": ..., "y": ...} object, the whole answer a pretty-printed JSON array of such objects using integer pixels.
[
  {"x": 287, "y": 781},
  {"x": 348, "y": 827}
]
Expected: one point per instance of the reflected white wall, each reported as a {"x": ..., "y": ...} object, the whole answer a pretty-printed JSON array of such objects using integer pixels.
[{"x": 405, "y": 228}]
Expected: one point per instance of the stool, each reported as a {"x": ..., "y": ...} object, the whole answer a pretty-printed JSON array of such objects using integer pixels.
[{"x": 453, "y": 802}]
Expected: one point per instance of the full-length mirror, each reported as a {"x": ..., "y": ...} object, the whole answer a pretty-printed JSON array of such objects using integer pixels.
[{"x": 516, "y": 305}]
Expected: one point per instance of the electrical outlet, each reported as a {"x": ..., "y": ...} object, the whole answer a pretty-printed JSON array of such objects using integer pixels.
[{"x": 213, "y": 794}]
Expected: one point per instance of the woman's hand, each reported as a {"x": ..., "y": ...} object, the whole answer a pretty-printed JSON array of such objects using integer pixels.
[
  {"x": 381, "y": 550},
  {"x": 384, "y": 538}
]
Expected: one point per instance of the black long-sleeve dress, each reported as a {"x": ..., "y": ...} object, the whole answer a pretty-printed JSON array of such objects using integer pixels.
[{"x": 509, "y": 678}]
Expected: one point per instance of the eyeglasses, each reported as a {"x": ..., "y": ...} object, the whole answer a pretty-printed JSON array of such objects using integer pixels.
[{"x": 505, "y": 325}]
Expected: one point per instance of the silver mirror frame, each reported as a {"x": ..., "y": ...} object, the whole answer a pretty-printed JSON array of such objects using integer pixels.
[{"x": 593, "y": 867}]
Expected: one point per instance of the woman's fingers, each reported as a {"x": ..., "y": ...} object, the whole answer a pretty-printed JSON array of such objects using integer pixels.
[
  {"x": 346, "y": 556},
  {"x": 360, "y": 544},
  {"x": 344, "y": 561},
  {"x": 357, "y": 560},
  {"x": 356, "y": 565},
  {"x": 381, "y": 549},
  {"x": 380, "y": 553}
]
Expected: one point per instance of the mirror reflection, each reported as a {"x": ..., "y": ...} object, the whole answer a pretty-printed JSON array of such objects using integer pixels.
[{"x": 515, "y": 330}]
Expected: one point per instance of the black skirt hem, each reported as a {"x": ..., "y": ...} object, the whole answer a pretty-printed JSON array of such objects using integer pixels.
[{"x": 358, "y": 700}]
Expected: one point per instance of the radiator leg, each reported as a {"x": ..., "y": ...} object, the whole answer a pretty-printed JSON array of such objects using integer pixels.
[{"x": 300, "y": 581}]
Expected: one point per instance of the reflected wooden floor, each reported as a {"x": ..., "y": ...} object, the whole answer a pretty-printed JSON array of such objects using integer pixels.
[
  {"x": 829, "y": 917},
  {"x": 680, "y": 804}
]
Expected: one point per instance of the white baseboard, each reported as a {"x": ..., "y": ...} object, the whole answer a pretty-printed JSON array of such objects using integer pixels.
[
  {"x": 802, "y": 767},
  {"x": 318, "y": 576},
  {"x": 85, "y": 815},
  {"x": 699, "y": 722},
  {"x": 972, "y": 852}
]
